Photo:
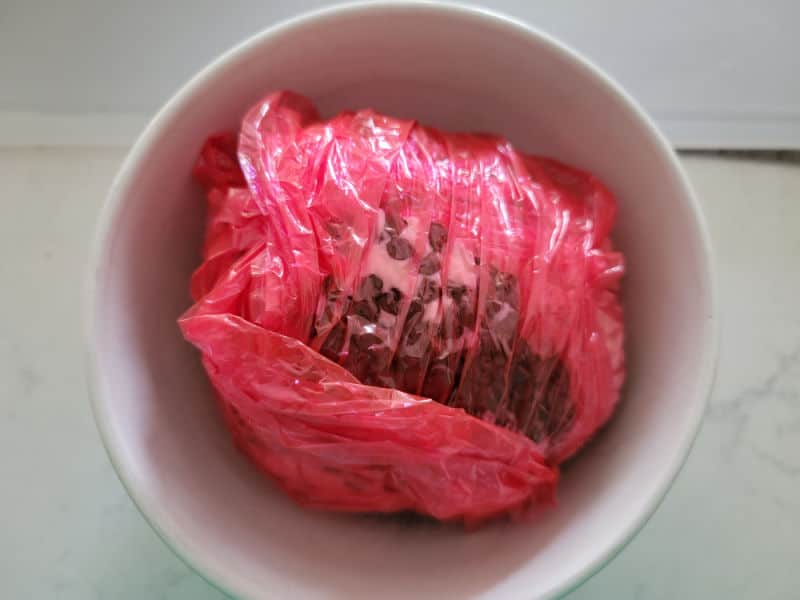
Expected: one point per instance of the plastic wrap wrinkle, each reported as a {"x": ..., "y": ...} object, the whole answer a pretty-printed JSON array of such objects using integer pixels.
[{"x": 396, "y": 318}]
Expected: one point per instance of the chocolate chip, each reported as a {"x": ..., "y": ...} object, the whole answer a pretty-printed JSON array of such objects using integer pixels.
[
  {"x": 539, "y": 395},
  {"x": 430, "y": 264},
  {"x": 364, "y": 375},
  {"x": 334, "y": 301},
  {"x": 333, "y": 343},
  {"x": 329, "y": 288},
  {"x": 335, "y": 228},
  {"x": 380, "y": 357},
  {"x": 414, "y": 332},
  {"x": 365, "y": 341},
  {"x": 437, "y": 236},
  {"x": 486, "y": 353},
  {"x": 414, "y": 309},
  {"x": 438, "y": 381},
  {"x": 466, "y": 315},
  {"x": 390, "y": 301},
  {"x": 370, "y": 364},
  {"x": 371, "y": 286},
  {"x": 409, "y": 372},
  {"x": 377, "y": 282},
  {"x": 498, "y": 360},
  {"x": 429, "y": 291},
  {"x": 399, "y": 248},
  {"x": 366, "y": 309},
  {"x": 521, "y": 371},
  {"x": 409, "y": 362},
  {"x": 456, "y": 292},
  {"x": 477, "y": 260},
  {"x": 452, "y": 327},
  {"x": 395, "y": 224}
]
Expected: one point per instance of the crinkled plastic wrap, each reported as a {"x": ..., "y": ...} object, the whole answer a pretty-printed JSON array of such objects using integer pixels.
[{"x": 397, "y": 318}]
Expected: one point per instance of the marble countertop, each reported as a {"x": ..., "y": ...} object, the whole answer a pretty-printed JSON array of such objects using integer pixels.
[{"x": 729, "y": 527}]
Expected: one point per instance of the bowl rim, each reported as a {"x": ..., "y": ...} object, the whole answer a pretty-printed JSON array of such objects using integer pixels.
[{"x": 97, "y": 268}]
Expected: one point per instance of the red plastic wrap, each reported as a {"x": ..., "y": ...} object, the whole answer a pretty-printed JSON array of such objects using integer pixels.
[{"x": 396, "y": 318}]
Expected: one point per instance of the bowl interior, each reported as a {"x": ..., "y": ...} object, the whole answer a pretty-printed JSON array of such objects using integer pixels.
[{"x": 455, "y": 69}]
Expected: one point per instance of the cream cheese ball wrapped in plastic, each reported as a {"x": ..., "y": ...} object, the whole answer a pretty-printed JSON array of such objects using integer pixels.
[{"x": 397, "y": 318}]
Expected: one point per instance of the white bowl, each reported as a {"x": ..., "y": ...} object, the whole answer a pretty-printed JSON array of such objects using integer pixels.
[{"x": 456, "y": 68}]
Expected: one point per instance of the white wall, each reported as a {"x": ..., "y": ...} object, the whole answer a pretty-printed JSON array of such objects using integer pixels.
[{"x": 714, "y": 73}]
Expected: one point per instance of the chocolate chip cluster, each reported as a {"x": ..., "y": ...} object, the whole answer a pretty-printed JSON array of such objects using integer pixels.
[{"x": 436, "y": 338}]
